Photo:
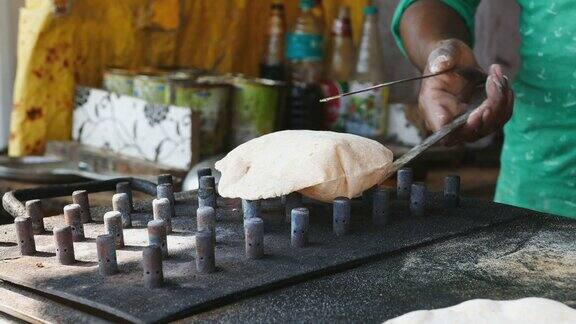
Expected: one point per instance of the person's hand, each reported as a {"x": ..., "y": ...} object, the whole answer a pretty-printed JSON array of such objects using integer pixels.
[{"x": 445, "y": 96}]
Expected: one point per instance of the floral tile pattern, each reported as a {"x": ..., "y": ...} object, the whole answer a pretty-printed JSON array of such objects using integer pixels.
[{"x": 134, "y": 127}]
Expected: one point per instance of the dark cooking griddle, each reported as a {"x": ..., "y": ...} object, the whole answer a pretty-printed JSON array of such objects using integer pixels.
[{"x": 123, "y": 296}]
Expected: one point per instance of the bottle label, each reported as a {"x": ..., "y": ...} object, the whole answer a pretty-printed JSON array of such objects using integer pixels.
[
  {"x": 304, "y": 46},
  {"x": 334, "y": 110},
  {"x": 367, "y": 112}
]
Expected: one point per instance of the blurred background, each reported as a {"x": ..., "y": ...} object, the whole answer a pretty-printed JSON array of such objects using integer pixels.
[{"x": 99, "y": 89}]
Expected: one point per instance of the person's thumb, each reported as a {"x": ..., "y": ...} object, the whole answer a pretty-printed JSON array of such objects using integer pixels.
[{"x": 442, "y": 58}]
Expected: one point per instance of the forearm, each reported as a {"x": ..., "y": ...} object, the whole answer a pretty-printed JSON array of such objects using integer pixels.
[{"x": 427, "y": 22}]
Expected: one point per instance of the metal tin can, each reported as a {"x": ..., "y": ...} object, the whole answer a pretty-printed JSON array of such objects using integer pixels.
[
  {"x": 210, "y": 98},
  {"x": 257, "y": 107},
  {"x": 152, "y": 86},
  {"x": 120, "y": 81}
]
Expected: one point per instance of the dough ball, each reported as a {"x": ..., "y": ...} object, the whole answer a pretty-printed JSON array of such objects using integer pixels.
[
  {"x": 524, "y": 311},
  {"x": 321, "y": 165}
]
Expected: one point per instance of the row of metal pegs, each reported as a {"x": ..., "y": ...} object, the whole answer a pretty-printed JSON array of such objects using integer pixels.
[{"x": 163, "y": 208}]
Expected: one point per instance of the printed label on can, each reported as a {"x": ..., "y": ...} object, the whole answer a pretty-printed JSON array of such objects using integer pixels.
[
  {"x": 304, "y": 46},
  {"x": 211, "y": 103},
  {"x": 334, "y": 110},
  {"x": 366, "y": 112}
]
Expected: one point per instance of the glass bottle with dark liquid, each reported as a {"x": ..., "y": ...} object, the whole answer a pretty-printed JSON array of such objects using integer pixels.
[
  {"x": 272, "y": 64},
  {"x": 305, "y": 52}
]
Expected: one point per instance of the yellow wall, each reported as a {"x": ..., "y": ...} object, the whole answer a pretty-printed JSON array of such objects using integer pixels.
[{"x": 57, "y": 52}]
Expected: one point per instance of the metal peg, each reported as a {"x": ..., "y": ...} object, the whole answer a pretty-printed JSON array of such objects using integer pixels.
[
  {"x": 81, "y": 198},
  {"x": 203, "y": 172},
  {"x": 341, "y": 216},
  {"x": 152, "y": 266},
  {"x": 293, "y": 200},
  {"x": 124, "y": 187},
  {"x": 113, "y": 226},
  {"x": 25, "y": 235},
  {"x": 121, "y": 204},
  {"x": 106, "y": 249},
  {"x": 34, "y": 211},
  {"x": 73, "y": 218},
  {"x": 165, "y": 178},
  {"x": 418, "y": 199},
  {"x": 161, "y": 210},
  {"x": 367, "y": 199},
  {"x": 157, "y": 235},
  {"x": 206, "y": 220},
  {"x": 299, "y": 227},
  {"x": 381, "y": 207},
  {"x": 165, "y": 190},
  {"x": 404, "y": 183},
  {"x": 207, "y": 192},
  {"x": 64, "y": 245},
  {"x": 254, "y": 238},
  {"x": 250, "y": 209},
  {"x": 452, "y": 191},
  {"x": 205, "y": 258}
]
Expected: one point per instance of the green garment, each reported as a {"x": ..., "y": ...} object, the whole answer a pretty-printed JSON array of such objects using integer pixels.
[{"x": 539, "y": 155}]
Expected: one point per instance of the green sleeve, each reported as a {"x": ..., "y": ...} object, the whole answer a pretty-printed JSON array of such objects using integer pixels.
[{"x": 465, "y": 8}]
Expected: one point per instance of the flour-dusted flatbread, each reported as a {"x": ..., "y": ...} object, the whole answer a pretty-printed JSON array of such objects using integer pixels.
[
  {"x": 521, "y": 311},
  {"x": 320, "y": 165}
]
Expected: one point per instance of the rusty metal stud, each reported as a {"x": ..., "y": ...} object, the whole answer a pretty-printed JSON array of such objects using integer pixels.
[
  {"x": 299, "y": 227},
  {"x": 34, "y": 211},
  {"x": 165, "y": 191},
  {"x": 404, "y": 183},
  {"x": 73, "y": 218},
  {"x": 250, "y": 209},
  {"x": 80, "y": 197},
  {"x": 121, "y": 204},
  {"x": 157, "y": 235},
  {"x": 124, "y": 187},
  {"x": 341, "y": 216},
  {"x": 207, "y": 192},
  {"x": 293, "y": 200},
  {"x": 205, "y": 258},
  {"x": 113, "y": 226},
  {"x": 165, "y": 178},
  {"x": 206, "y": 220},
  {"x": 381, "y": 206},
  {"x": 452, "y": 191},
  {"x": 161, "y": 210},
  {"x": 106, "y": 249},
  {"x": 254, "y": 238},
  {"x": 25, "y": 235},
  {"x": 418, "y": 199},
  {"x": 152, "y": 266},
  {"x": 64, "y": 245}
]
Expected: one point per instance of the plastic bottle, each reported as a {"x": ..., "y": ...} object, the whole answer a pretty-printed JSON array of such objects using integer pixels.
[
  {"x": 367, "y": 112},
  {"x": 340, "y": 61},
  {"x": 304, "y": 51},
  {"x": 272, "y": 65}
]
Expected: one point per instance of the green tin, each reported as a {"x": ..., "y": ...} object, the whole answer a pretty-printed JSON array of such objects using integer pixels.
[
  {"x": 120, "y": 81},
  {"x": 153, "y": 87},
  {"x": 257, "y": 107},
  {"x": 210, "y": 98}
]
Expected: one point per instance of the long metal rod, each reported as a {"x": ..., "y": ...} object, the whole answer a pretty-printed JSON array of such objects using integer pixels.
[
  {"x": 383, "y": 85},
  {"x": 474, "y": 75}
]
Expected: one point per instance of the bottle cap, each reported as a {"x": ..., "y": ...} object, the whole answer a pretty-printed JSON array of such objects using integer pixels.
[
  {"x": 370, "y": 10},
  {"x": 307, "y": 4}
]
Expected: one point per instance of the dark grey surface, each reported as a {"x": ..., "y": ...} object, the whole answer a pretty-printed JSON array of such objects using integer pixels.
[
  {"x": 188, "y": 292},
  {"x": 528, "y": 257}
]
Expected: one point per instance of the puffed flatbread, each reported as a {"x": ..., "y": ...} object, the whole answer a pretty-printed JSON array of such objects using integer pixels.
[{"x": 319, "y": 164}]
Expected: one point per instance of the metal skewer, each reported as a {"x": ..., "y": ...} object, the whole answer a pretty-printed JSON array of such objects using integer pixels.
[{"x": 470, "y": 73}]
